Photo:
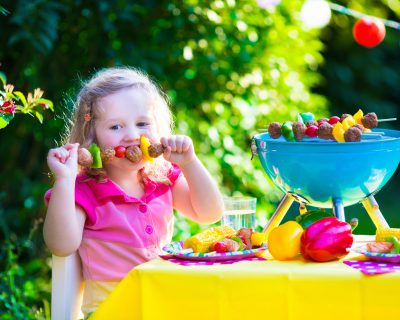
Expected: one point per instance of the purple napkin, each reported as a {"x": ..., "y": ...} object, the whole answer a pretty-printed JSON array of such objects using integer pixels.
[
  {"x": 372, "y": 267},
  {"x": 183, "y": 262}
]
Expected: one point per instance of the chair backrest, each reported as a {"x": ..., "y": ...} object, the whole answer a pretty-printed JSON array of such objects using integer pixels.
[{"x": 66, "y": 288}]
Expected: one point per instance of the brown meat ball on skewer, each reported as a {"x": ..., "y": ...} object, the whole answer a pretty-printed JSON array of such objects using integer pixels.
[
  {"x": 156, "y": 150},
  {"x": 344, "y": 116},
  {"x": 274, "y": 130},
  {"x": 325, "y": 131},
  {"x": 322, "y": 120},
  {"x": 311, "y": 123},
  {"x": 370, "y": 120},
  {"x": 352, "y": 134},
  {"x": 107, "y": 155},
  {"x": 299, "y": 130},
  {"x": 134, "y": 154},
  {"x": 359, "y": 127},
  {"x": 85, "y": 158}
]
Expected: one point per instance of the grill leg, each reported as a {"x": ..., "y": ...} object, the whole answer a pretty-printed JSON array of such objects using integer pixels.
[
  {"x": 372, "y": 207},
  {"x": 279, "y": 213},
  {"x": 338, "y": 209}
]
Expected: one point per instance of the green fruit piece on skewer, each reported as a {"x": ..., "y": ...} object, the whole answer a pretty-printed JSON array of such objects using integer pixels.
[
  {"x": 305, "y": 117},
  {"x": 287, "y": 131},
  {"x": 96, "y": 154}
]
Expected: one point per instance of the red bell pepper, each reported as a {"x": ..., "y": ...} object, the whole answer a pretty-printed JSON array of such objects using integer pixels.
[{"x": 326, "y": 239}]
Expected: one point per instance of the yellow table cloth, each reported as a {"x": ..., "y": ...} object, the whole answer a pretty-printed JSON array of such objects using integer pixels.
[{"x": 268, "y": 289}]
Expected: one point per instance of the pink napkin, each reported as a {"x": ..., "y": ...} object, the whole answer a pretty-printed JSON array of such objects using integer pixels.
[
  {"x": 183, "y": 262},
  {"x": 372, "y": 267}
]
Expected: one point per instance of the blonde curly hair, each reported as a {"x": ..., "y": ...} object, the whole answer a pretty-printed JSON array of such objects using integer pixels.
[{"x": 109, "y": 81}]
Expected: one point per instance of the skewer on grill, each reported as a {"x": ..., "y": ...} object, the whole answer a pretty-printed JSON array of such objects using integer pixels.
[
  {"x": 324, "y": 131},
  {"x": 346, "y": 128}
]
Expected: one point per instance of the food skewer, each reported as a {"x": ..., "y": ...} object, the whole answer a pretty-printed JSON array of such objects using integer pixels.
[
  {"x": 364, "y": 133},
  {"x": 94, "y": 157},
  {"x": 347, "y": 128},
  {"x": 223, "y": 239}
]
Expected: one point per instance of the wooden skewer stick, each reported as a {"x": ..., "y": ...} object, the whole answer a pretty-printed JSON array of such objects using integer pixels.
[
  {"x": 374, "y": 132},
  {"x": 387, "y": 119}
]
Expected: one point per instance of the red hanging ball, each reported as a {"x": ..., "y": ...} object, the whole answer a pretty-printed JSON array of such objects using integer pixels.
[{"x": 369, "y": 32}]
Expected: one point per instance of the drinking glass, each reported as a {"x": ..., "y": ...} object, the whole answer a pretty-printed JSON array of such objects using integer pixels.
[{"x": 239, "y": 212}]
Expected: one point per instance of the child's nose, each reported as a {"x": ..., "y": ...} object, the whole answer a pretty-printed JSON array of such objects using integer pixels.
[{"x": 132, "y": 133}]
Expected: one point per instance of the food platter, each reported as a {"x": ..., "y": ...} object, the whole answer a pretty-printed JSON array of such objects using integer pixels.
[{"x": 176, "y": 249}]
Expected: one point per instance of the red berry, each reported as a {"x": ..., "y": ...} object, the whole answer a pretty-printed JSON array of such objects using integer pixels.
[
  {"x": 120, "y": 151},
  {"x": 333, "y": 120},
  {"x": 220, "y": 247},
  {"x": 312, "y": 131}
]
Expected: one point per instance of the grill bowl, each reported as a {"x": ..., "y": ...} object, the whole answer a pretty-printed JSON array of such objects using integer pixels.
[{"x": 321, "y": 170}]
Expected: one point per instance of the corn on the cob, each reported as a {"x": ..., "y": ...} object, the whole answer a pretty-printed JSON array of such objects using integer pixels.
[
  {"x": 383, "y": 233},
  {"x": 202, "y": 241}
]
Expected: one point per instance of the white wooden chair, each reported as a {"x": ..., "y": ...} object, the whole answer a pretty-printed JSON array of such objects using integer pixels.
[{"x": 66, "y": 288}]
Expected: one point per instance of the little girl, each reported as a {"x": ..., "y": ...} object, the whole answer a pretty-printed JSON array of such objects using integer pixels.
[{"x": 122, "y": 215}]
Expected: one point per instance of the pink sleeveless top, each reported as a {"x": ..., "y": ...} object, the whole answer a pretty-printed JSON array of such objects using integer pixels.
[{"x": 120, "y": 231}]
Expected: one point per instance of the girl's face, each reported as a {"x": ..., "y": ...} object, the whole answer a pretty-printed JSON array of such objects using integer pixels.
[{"x": 122, "y": 118}]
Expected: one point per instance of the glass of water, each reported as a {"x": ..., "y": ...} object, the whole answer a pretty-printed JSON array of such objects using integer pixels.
[{"x": 239, "y": 212}]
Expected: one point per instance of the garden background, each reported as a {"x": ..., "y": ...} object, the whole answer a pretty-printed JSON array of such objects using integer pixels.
[{"x": 229, "y": 68}]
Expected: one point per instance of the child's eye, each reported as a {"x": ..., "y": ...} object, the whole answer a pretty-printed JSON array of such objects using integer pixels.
[
  {"x": 142, "y": 124},
  {"x": 115, "y": 127}
]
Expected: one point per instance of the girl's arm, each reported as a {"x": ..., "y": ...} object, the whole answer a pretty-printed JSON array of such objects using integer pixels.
[
  {"x": 195, "y": 194},
  {"x": 63, "y": 225}
]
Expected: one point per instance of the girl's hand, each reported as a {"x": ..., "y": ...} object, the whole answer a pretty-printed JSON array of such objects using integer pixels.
[
  {"x": 179, "y": 150},
  {"x": 63, "y": 161}
]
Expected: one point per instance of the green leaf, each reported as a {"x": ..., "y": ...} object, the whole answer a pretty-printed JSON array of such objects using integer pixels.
[
  {"x": 3, "y": 123},
  {"x": 5, "y": 119},
  {"x": 3, "y": 78},
  {"x": 22, "y": 98},
  {"x": 4, "y": 11},
  {"x": 46, "y": 101},
  {"x": 39, "y": 116}
]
